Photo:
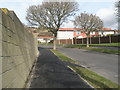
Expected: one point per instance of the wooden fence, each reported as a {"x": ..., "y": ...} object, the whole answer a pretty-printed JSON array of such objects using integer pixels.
[{"x": 98, "y": 40}]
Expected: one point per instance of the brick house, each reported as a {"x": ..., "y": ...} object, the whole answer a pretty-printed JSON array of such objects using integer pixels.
[
  {"x": 67, "y": 35},
  {"x": 70, "y": 33}
]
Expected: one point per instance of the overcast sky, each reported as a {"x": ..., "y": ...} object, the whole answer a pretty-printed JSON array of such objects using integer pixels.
[{"x": 105, "y": 9}]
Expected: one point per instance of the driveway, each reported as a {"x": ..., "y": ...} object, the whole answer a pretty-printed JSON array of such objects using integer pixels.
[{"x": 102, "y": 63}]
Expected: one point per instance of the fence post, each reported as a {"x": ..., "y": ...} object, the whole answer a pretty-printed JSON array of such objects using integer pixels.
[
  {"x": 72, "y": 41},
  {"x": 82, "y": 40},
  {"x": 59, "y": 41},
  {"x": 99, "y": 39},
  {"x": 66, "y": 41},
  {"x": 75, "y": 41}
]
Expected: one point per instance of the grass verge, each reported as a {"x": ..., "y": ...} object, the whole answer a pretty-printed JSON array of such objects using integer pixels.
[
  {"x": 97, "y": 49},
  {"x": 64, "y": 58},
  {"x": 92, "y": 78},
  {"x": 101, "y": 50},
  {"x": 104, "y": 44}
]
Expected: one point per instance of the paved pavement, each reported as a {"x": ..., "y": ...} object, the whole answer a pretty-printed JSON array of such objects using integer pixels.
[
  {"x": 50, "y": 72},
  {"x": 101, "y": 63}
]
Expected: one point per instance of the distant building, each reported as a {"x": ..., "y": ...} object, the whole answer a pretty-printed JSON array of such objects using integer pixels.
[
  {"x": 44, "y": 39},
  {"x": 42, "y": 35},
  {"x": 70, "y": 33}
]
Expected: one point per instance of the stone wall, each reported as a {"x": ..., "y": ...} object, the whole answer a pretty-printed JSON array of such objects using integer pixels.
[{"x": 18, "y": 50}]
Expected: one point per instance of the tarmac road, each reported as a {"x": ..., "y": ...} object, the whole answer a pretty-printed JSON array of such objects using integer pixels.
[{"x": 102, "y": 63}]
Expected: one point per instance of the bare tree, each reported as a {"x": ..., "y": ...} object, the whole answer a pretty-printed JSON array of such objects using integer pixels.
[
  {"x": 88, "y": 23},
  {"x": 51, "y": 15},
  {"x": 117, "y": 5}
]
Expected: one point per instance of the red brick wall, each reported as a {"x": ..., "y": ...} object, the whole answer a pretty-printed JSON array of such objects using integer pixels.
[{"x": 63, "y": 41}]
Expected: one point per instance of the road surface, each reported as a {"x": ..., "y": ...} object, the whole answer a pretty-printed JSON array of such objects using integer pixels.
[{"x": 102, "y": 63}]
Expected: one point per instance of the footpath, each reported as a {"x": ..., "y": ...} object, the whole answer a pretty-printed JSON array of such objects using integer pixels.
[{"x": 51, "y": 72}]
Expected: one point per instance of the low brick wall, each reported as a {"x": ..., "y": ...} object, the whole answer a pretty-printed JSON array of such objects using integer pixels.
[
  {"x": 63, "y": 41},
  {"x": 18, "y": 51}
]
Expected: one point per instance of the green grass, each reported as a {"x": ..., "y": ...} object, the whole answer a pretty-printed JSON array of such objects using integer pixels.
[
  {"x": 101, "y": 50},
  {"x": 105, "y": 44},
  {"x": 108, "y": 44},
  {"x": 66, "y": 59},
  {"x": 92, "y": 78}
]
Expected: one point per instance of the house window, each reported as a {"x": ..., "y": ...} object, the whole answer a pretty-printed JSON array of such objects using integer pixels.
[{"x": 77, "y": 33}]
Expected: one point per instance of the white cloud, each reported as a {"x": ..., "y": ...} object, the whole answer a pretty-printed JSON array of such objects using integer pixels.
[
  {"x": 68, "y": 24},
  {"x": 19, "y": 8},
  {"x": 58, "y": 0},
  {"x": 20, "y": 1},
  {"x": 108, "y": 16}
]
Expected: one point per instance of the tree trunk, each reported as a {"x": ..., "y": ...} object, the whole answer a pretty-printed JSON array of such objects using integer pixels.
[
  {"x": 87, "y": 41},
  {"x": 46, "y": 41},
  {"x": 109, "y": 38},
  {"x": 90, "y": 39},
  {"x": 54, "y": 46}
]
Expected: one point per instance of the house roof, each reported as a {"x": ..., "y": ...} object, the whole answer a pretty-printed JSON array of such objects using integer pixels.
[
  {"x": 43, "y": 37},
  {"x": 69, "y": 29},
  {"x": 72, "y": 29},
  {"x": 107, "y": 29}
]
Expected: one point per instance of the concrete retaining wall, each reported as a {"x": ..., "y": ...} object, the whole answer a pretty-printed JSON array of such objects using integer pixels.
[{"x": 18, "y": 50}]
